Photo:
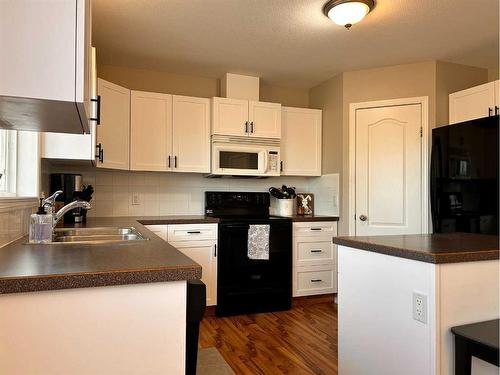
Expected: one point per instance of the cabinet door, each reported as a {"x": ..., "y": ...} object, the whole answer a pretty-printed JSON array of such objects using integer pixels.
[
  {"x": 160, "y": 230},
  {"x": 40, "y": 37},
  {"x": 473, "y": 103},
  {"x": 150, "y": 131},
  {"x": 205, "y": 254},
  {"x": 229, "y": 116},
  {"x": 265, "y": 119},
  {"x": 301, "y": 142},
  {"x": 113, "y": 134},
  {"x": 191, "y": 134}
]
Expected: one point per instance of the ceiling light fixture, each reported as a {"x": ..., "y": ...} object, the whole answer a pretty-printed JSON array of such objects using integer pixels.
[{"x": 348, "y": 12}]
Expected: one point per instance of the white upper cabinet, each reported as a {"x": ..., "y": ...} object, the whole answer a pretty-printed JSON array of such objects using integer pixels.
[
  {"x": 150, "y": 131},
  {"x": 113, "y": 133},
  {"x": 246, "y": 118},
  {"x": 191, "y": 134},
  {"x": 45, "y": 65},
  {"x": 265, "y": 119},
  {"x": 229, "y": 116},
  {"x": 301, "y": 142},
  {"x": 476, "y": 102},
  {"x": 169, "y": 133}
]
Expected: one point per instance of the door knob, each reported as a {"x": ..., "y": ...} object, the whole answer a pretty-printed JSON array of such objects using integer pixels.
[{"x": 363, "y": 217}]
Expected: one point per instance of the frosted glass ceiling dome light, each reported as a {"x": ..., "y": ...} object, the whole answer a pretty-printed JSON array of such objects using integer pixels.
[{"x": 348, "y": 12}]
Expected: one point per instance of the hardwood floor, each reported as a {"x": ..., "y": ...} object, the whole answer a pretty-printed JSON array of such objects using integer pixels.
[{"x": 302, "y": 340}]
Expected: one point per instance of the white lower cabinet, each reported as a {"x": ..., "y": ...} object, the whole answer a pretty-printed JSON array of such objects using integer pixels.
[
  {"x": 314, "y": 258},
  {"x": 199, "y": 242},
  {"x": 160, "y": 230},
  {"x": 205, "y": 254}
]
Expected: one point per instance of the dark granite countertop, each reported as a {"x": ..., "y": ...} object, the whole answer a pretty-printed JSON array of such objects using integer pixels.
[
  {"x": 312, "y": 218},
  {"x": 431, "y": 248},
  {"x": 29, "y": 267},
  {"x": 164, "y": 220}
]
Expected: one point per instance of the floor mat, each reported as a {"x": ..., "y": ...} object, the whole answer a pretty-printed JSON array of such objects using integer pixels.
[{"x": 211, "y": 362}]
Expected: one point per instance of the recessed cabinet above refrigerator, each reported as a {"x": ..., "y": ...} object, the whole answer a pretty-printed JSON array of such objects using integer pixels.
[{"x": 45, "y": 66}]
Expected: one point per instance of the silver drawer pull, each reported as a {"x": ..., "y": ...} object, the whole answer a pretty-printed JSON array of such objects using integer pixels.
[
  {"x": 194, "y": 232},
  {"x": 316, "y": 280},
  {"x": 316, "y": 251},
  {"x": 316, "y": 228}
]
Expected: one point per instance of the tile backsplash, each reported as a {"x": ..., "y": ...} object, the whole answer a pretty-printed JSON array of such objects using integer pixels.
[
  {"x": 14, "y": 223},
  {"x": 126, "y": 193}
]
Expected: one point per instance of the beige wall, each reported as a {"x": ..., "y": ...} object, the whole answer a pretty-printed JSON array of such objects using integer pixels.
[
  {"x": 451, "y": 78},
  {"x": 183, "y": 84},
  {"x": 290, "y": 97},
  {"x": 328, "y": 97},
  {"x": 156, "y": 81},
  {"x": 493, "y": 74}
]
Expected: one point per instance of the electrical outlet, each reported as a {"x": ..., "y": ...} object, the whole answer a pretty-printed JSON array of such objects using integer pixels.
[
  {"x": 136, "y": 199},
  {"x": 420, "y": 307}
]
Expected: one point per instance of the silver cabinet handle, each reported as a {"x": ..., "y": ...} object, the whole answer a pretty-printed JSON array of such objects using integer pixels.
[
  {"x": 363, "y": 217},
  {"x": 316, "y": 280},
  {"x": 194, "y": 232},
  {"x": 316, "y": 251},
  {"x": 490, "y": 111},
  {"x": 316, "y": 228}
]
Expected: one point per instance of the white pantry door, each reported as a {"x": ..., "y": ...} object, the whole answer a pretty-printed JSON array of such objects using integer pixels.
[{"x": 388, "y": 170}]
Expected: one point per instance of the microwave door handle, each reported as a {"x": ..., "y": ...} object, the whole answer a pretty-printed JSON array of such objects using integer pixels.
[{"x": 266, "y": 162}]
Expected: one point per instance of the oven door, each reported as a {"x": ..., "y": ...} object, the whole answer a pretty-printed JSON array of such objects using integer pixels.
[
  {"x": 246, "y": 285},
  {"x": 239, "y": 159}
]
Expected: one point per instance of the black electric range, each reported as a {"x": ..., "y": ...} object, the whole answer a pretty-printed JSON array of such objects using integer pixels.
[{"x": 247, "y": 285}]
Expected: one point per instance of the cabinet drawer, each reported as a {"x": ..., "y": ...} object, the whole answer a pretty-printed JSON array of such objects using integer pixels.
[
  {"x": 309, "y": 252},
  {"x": 315, "y": 228},
  {"x": 314, "y": 280},
  {"x": 192, "y": 232}
]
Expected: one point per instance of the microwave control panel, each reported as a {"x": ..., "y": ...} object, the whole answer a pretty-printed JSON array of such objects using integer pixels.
[{"x": 273, "y": 161}]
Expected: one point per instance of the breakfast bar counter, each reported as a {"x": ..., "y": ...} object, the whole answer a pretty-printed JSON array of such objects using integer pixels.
[{"x": 28, "y": 267}]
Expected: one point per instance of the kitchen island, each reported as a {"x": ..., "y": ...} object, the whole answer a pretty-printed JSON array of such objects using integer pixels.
[
  {"x": 109, "y": 308},
  {"x": 403, "y": 294}
]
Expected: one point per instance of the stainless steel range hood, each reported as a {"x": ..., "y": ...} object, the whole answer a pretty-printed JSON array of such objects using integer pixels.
[{"x": 19, "y": 113}]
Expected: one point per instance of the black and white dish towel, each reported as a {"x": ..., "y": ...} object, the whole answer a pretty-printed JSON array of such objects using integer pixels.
[{"x": 258, "y": 242}]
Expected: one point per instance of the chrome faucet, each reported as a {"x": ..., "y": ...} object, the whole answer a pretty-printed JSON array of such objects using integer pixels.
[
  {"x": 70, "y": 206},
  {"x": 50, "y": 202}
]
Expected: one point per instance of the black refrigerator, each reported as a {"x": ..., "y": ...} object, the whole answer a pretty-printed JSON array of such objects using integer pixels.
[{"x": 464, "y": 177}]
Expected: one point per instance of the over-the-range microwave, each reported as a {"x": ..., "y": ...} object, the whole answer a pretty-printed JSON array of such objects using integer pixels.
[{"x": 245, "y": 156}]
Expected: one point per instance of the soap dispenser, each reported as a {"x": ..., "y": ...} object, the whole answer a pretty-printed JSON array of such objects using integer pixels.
[{"x": 40, "y": 226}]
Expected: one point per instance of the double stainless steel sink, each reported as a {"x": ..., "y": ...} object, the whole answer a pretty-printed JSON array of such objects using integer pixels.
[{"x": 101, "y": 235}]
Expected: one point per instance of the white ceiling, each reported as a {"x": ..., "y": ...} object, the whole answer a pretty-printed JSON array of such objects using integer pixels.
[{"x": 290, "y": 42}]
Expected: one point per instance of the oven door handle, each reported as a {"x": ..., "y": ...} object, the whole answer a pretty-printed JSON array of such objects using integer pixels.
[
  {"x": 266, "y": 162},
  {"x": 235, "y": 226}
]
